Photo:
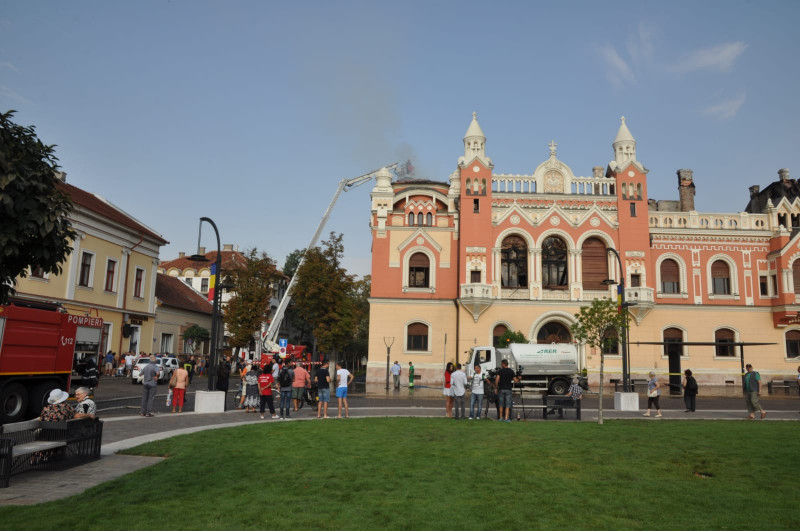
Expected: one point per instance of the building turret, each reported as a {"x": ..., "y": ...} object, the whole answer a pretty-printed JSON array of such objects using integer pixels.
[
  {"x": 624, "y": 146},
  {"x": 475, "y": 143}
]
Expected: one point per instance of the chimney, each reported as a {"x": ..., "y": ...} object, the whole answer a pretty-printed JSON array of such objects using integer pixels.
[
  {"x": 754, "y": 190},
  {"x": 686, "y": 190},
  {"x": 62, "y": 176},
  {"x": 181, "y": 254},
  {"x": 201, "y": 250},
  {"x": 227, "y": 247},
  {"x": 597, "y": 172}
]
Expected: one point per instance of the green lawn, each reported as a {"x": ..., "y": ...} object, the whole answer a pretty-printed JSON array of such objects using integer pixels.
[{"x": 439, "y": 473}]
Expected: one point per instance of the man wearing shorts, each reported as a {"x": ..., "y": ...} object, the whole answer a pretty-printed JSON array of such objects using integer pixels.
[
  {"x": 343, "y": 379},
  {"x": 301, "y": 380},
  {"x": 504, "y": 381},
  {"x": 323, "y": 379}
]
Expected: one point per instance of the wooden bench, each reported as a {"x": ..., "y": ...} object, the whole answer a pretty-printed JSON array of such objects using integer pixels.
[
  {"x": 41, "y": 445},
  {"x": 786, "y": 385},
  {"x": 560, "y": 403}
]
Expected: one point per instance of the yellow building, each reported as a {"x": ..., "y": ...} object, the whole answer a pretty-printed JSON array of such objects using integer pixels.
[{"x": 111, "y": 273}]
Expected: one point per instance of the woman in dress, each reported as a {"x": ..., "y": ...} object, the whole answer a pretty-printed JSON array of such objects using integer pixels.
[
  {"x": 653, "y": 394},
  {"x": 448, "y": 391},
  {"x": 57, "y": 409},
  {"x": 252, "y": 399}
]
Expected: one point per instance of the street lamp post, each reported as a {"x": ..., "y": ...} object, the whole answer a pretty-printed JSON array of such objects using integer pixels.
[
  {"x": 623, "y": 307},
  {"x": 388, "y": 341},
  {"x": 212, "y": 375}
]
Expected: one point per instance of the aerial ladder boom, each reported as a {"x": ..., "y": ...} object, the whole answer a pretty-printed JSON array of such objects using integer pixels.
[{"x": 345, "y": 185}]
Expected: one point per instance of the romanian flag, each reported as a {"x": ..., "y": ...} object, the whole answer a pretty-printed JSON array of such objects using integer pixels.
[
  {"x": 619, "y": 297},
  {"x": 213, "y": 282}
]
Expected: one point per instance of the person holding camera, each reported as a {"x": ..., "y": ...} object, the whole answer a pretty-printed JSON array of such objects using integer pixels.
[{"x": 504, "y": 381}]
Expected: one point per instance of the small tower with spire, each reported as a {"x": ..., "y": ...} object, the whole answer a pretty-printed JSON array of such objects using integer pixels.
[
  {"x": 475, "y": 141},
  {"x": 624, "y": 145}
]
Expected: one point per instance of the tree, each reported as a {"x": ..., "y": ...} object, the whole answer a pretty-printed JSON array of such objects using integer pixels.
[
  {"x": 510, "y": 337},
  {"x": 292, "y": 261},
  {"x": 323, "y": 295},
  {"x": 195, "y": 335},
  {"x": 594, "y": 323},
  {"x": 253, "y": 284},
  {"x": 35, "y": 231}
]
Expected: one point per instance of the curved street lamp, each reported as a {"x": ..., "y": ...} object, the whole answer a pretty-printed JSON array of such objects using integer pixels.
[{"x": 212, "y": 375}]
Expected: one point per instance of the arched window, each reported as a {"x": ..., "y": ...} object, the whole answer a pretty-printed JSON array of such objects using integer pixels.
[
  {"x": 411, "y": 219},
  {"x": 514, "y": 263},
  {"x": 553, "y": 332},
  {"x": 420, "y": 219},
  {"x": 429, "y": 219},
  {"x": 672, "y": 336},
  {"x": 722, "y": 337},
  {"x": 498, "y": 331},
  {"x": 793, "y": 343},
  {"x": 796, "y": 275},
  {"x": 720, "y": 278},
  {"x": 419, "y": 267},
  {"x": 417, "y": 337},
  {"x": 611, "y": 343},
  {"x": 670, "y": 276},
  {"x": 554, "y": 263},
  {"x": 594, "y": 264}
]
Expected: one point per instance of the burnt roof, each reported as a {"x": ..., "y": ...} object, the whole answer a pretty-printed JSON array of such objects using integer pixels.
[
  {"x": 789, "y": 189},
  {"x": 174, "y": 292},
  {"x": 228, "y": 260}
]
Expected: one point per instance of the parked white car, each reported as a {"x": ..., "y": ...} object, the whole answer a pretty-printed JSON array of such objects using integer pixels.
[{"x": 165, "y": 369}]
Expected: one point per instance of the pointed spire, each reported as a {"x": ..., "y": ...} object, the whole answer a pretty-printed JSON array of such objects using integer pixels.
[
  {"x": 475, "y": 141},
  {"x": 624, "y": 144},
  {"x": 474, "y": 128}
]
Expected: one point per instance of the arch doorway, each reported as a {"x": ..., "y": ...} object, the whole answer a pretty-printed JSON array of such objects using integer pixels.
[{"x": 553, "y": 332}]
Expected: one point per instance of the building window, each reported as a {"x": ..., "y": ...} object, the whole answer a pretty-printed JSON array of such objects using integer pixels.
[
  {"x": 138, "y": 283},
  {"x": 417, "y": 337},
  {"x": 611, "y": 343},
  {"x": 514, "y": 263},
  {"x": 763, "y": 286},
  {"x": 85, "y": 273},
  {"x": 37, "y": 272},
  {"x": 411, "y": 219},
  {"x": 672, "y": 339},
  {"x": 633, "y": 210},
  {"x": 636, "y": 280},
  {"x": 670, "y": 277},
  {"x": 497, "y": 333},
  {"x": 166, "y": 344},
  {"x": 475, "y": 277},
  {"x": 796, "y": 275},
  {"x": 204, "y": 285},
  {"x": 720, "y": 278},
  {"x": 419, "y": 271},
  {"x": 792, "y": 343},
  {"x": 554, "y": 263},
  {"x": 594, "y": 264},
  {"x": 722, "y": 337},
  {"x": 420, "y": 220},
  {"x": 553, "y": 332},
  {"x": 188, "y": 281},
  {"x": 429, "y": 219},
  {"x": 111, "y": 269},
  {"x": 476, "y": 205}
]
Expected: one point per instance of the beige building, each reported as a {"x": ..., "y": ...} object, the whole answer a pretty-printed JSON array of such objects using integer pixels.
[
  {"x": 178, "y": 307},
  {"x": 111, "y": 273}
]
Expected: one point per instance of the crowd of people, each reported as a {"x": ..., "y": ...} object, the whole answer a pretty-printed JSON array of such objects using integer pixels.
[{"x": 122, "y": 365}]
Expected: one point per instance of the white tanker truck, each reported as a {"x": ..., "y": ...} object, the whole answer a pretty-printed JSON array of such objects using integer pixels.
[{"x": 544, "y": 366}]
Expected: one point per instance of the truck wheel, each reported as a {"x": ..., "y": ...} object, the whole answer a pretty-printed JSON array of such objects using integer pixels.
[
  {"x": 559, "y": 386},
  {"x": 13, "y": 403},
  {"x": 39, "y": 397}
]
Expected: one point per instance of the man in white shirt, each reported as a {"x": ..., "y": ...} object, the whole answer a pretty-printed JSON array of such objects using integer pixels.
[
  {"x": 396, "y": 370},
  {"x": 343, "y": 379},
  {"x": 458, "y": 382},
  {"x": 128, "y": 363},
  {"x": 476, "y": 387}
]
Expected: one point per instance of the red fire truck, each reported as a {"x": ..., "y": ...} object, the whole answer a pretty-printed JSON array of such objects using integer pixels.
[{"x": 40, "y": 347}]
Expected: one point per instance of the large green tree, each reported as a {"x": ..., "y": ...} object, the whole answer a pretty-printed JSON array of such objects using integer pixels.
[
  {"x": 195, "y": 335},
  {"x": 253, "y": 284},
  {"x": 35, "y": 231},
  {"x": 594, "y": 326},
  {"x": 323, "y": 295}
]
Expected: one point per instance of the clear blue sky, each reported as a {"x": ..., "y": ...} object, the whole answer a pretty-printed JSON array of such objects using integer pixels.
[{"x": 250, "y": 112}]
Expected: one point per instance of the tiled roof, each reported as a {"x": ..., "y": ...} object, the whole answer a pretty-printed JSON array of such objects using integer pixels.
[
  {"x": 176, "y": 293},
  {"x": 229, "y": 260},
  {"x": 103, "y": 207}
]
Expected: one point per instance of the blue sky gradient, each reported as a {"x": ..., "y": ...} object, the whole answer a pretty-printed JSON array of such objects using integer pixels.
[{"x": 251, "y": 112}]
